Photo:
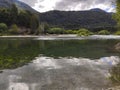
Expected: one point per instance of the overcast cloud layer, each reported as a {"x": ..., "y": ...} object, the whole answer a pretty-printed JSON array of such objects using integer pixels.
[{"x": 46, "y": 5}]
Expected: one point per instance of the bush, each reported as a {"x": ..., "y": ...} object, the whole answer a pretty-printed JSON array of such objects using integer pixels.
[
  {"x": 115, "y": 74},
  {"x": 3, "y": 27},
  {"x": 56, "y": 31},
  {"x": 104, "y": 32},
  {"x": 71, "y": 32},
  {"x": 117, "y": 33},
  {"x": 14, "y": 29},
  {"x": 84, "y": 32}
]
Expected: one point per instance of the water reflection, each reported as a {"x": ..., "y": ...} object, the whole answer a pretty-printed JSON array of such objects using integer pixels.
[
  {"x": 45, "y": 62},
  {"x": 47, "y": 73},
  {"x": 18, "y": 86},
  {"x": 56, "y": 65}
]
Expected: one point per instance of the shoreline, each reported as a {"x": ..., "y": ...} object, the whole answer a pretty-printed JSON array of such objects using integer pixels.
[
  {"x": 64, "y": 37},
  {"x": 51, "y": 35}
]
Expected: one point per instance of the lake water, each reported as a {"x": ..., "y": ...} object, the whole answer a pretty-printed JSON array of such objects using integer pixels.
[{"x": 36, "y": 64}]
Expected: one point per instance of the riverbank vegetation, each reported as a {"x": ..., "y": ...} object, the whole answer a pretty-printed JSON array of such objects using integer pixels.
[
  {"x": 115, "y": 71},
  {"x": 115, "y": 74}
]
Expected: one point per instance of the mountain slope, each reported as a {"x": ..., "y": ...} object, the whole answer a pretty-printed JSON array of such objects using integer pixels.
[
  {"x": 20, "y": 5},
  {"x": 91, "y": 19}
]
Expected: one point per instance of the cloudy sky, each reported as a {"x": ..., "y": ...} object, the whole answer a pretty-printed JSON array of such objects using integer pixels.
[{"x": 46, "y": 5}]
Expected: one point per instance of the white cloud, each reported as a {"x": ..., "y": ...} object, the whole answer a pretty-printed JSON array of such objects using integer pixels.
[
  {"x": 46, "y": 5},
  {"x": 29, "y": 2}
]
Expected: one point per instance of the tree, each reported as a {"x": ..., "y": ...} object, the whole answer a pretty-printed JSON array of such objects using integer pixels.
[
  {"x": 28, "y": 20},
  {"x": 14, "y": 13},
  {"x": 14, "y": 29},
  {"x": 5, "y": 16},
  {"x": 3, "y": 27},
  {"x": 40, "y": 29},
  {"x": 24, "y": 19},
  {"x": 117, "y": 15},
  {"x": 9, "y": 15},
  {"x": 34, "y": 23}
]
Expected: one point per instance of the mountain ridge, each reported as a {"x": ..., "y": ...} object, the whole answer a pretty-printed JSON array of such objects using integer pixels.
[
  {"x": 94, "y": 19},
  {"x": 79, "y": 19},
  {"x": 19, "y": 4}
]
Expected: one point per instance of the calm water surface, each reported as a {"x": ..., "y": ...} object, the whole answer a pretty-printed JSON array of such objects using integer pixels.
[{"x": 31, "y": 64}]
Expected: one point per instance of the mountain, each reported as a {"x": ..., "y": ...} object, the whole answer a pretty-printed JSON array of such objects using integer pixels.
[
  {"x": 19, "y": 4},
  {"x": 94, "y": 19},
  {"x": 97, "y": 10}
]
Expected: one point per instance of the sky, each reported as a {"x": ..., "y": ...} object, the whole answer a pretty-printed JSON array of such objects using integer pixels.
[{"x": 70, "y": 5}]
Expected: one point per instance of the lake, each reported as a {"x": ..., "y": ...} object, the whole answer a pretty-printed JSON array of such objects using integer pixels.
[{"x": 56, "y": 64}]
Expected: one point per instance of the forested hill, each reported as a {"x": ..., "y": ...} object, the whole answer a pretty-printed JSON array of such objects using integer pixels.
[
  {"x": 19, "y": 15},
  {"x": 92, "y": 19},
  {"x": 19, "y": 4}
]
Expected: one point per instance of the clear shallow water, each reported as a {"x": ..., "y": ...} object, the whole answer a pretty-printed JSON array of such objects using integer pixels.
[{"x": 56, "y": 64}]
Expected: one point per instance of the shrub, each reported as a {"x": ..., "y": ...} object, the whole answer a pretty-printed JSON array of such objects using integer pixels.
[
  {"x": 56, "y": 31},
  {"x": 84, "y": 32},
  {"x": 115, "y": 74},
  {"x": 117, "y": 33},
  {"x": 14, "y": 29},
  {"x": 71, "y": 32},
  {"x": 3, "y": 27},
  {"x": 104, "y": 32}
]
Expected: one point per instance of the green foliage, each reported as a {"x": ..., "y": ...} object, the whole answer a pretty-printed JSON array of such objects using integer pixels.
[
  {"x": 13, "y": 14},
  {"x": 42, "y": 28},
  {"x": 46, "y": 27},
  {"x": 81, "y": 32},
  {"x": 115, "y": 74},
  {"x": 3, "y": 27},
  {"x": 28, "y": 20},
  {"x": 5, "y": 16},
  {"x": 117, "y": 14},
  {"x": 34, "y": 24},
  {"x": 117, "y": 32},
  {"x": 14, "y": 29},
  {"x": 56, "y": 31},
  {"x": 84, "y": 32},
  {"x": 104, "y": 32},
  {"x": 24, "y": 19},
  {"x": 9, "y": 15},
  {"x": 94, "y": 20},
  {"x": 21, "y": 18},
  {"x": 71, "y": 31}
]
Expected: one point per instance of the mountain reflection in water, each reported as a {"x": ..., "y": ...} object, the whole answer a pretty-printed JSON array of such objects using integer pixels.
[{"x": 56, "y": 65}]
